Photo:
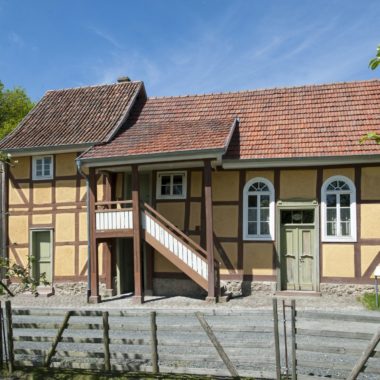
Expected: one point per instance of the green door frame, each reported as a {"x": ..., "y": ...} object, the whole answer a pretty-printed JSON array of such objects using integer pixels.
[
  {"x": 50, "y": 230},
  {"x": 298, "y": 205}
]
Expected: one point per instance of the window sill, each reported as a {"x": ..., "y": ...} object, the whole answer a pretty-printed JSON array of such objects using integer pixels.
[
  {"x": 258, "y": 238},
  {"x": 339, "y": 240}
]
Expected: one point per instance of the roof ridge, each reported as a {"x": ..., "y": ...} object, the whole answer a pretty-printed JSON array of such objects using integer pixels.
[
  {"x": 93, "y": 86},
  {"x": 264, "y": 89}
]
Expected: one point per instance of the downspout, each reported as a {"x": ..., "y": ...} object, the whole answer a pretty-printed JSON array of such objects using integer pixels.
[{"x": 86, "y": 177}]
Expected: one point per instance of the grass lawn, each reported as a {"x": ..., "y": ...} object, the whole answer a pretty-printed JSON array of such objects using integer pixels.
[
  {"x": 62, "y": 374},
  {"x": 369, "y": 301}
]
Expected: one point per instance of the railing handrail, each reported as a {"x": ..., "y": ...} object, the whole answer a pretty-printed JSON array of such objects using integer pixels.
[
  {"x": 106, "y": 203},
  {"x": 176, "y": 230}
]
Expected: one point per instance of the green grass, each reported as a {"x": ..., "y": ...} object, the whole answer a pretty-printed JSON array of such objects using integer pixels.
[
  {"x": 369, "y": 301},
  {"x": 63, "y": 374}
]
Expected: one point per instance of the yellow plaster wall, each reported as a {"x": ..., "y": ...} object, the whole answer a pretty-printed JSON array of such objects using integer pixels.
[
  {"x": 347, "y": 172},
  {"x": 267, "y": 174},
  {"x": 65, "y": 191},
  {"x": 22, "y": 254},
  {"x": 100, "y": 189},
  {"x": 298, "y": 184},
  {"x": 64, "y": 261},
  {"x": 15, "y": 197},
  {"x": 368, "y": 254},
  {"x": 161, "y": 264},
  {"x": 65, "y": 164},
  {"x": 226, "y": 220},
  {"x": 119, "y": 185},
  {"x": 338, "y": 260},
  {"x": 82, "y": 258},
  {"x": 258, "y": 258},
  {"x": 370, "y": 183},
  {"x": 370, "y": 220},
  {"x": 21, "y": 168},
  {"x": 174, "y": 212},
  {"x": 196, "y": 184},
  {"x": 225, "y": 186},
  {"x": 42, "y": 219},
  {"x": 65, "y": 227},
  {"x": 83, "y": 226},
  {"x": 231, "y": 250},
  {"x": 83, "y": 190},
  {"x": 195, "y": 215},
  {"x": 42, "y": 192},
  {"x": 18, "y": 229}
]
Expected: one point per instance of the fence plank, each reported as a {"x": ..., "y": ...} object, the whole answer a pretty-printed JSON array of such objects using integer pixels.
[
  {"x": 276, "y": 339},
  {"x": 366, "y": 354},
  {"x": 231, "y": 368},
  {"x": 153, "y": 329},
  {"x": 106, "y": 342},
  {"x": 8, "y": 314},
  {"x": 57, "y": 338}
]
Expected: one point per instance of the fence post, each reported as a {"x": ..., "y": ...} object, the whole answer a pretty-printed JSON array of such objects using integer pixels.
[
  {"x": 294, "y": 351},
  {"x": 8, "y": 314},
  {"x": 153, "y": 332},
  {"x": 276, "y": 340},
  {"x": 106, "y": 341},
  {"x": 1, "y": 337}
]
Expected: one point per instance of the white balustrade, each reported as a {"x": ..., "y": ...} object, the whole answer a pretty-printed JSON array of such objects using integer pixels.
[{"x": 114, "y": 220}]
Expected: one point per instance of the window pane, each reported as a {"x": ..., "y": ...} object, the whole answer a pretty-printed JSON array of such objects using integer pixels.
[
  {"x": 165, "y": 180},
  {"x": 331, "y": 215},
  {"x": 264, "y": 215},
  {"x": 252, "y": 228},
  {"x": 264, "y": 228},
  {"x": 177, "y": 189},
  {"x": 252, "y": 214},
  {"x": 345, "y": 228},
  {"x": 178, "y": 179},
  {"x": 331, "y": 200},
  {"x": 308, "y": 216},
  {"x": 252, "y": 201},
  {"x": 46, "y": 170},
  {"x": 345, "y": 200},
  {"x": 331, "y": 228},
  {"x": 297, "y": 217},
  {"x": 345, "y": 214},
  {"x": 264, "y": 201},
  {"x": 286, "y": 217},
  {"x": 165, "y": 190}
]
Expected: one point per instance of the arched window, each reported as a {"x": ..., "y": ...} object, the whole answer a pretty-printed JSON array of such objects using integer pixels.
[
  {"x": 258, "y": 206},
  {"x": 338, "y": 209}
]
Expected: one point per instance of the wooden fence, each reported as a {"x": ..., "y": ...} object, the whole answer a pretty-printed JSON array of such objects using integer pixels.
[{"x": 266, "y": 344}]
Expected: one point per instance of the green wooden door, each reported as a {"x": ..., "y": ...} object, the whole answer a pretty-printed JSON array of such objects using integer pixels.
[
  {"x": 41, "y": 251},
  {"x": 297, "y": 250}
]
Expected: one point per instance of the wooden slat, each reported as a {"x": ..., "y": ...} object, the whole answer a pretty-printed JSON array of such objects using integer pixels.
[
  {"x": 334, "y": 334},
  {"x": 337, "y": 317}
]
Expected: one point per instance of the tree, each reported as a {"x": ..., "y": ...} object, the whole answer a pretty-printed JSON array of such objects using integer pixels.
[
  {"x": 374, "y": 62},
  {"x": 14, "y": 105}
]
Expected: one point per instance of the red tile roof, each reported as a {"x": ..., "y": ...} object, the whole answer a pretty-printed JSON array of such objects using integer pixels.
[
  {"x": 308, "y": 121},
  {"x": 74, "y": 116}
]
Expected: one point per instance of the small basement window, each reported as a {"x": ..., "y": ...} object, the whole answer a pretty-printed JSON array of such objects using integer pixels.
[
  {"x": 171, "y": 185},
  {"x": 43, "y": 167}
]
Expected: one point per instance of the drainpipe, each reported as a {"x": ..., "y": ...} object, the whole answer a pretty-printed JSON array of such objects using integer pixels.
[{"x": 79, "y": 168}]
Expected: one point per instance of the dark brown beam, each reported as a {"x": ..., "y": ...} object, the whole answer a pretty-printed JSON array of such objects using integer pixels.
[
  {"x": 213, "y": 288},
  {"x": 94, "y": 270},
  {"x": 138, "y": 297}
]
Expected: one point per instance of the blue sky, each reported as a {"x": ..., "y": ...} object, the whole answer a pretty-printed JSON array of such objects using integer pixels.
[{"x": 186, "y": 47}]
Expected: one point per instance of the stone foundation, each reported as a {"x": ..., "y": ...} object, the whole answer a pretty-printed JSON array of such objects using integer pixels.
[
  {"x": 246, "y": 288},
  {"x": 341, "y": 289},
  {"x": 177, "y": 287}
]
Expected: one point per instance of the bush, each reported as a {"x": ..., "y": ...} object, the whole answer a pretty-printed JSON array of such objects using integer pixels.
[{"x": 369, "y": 301}]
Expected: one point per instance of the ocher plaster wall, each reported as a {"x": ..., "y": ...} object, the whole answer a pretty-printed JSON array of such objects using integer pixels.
[
  {"x": 370, "y": 186},
  {"x": 298, "y": 184},
  {"x": 338, "y": 260},
  {"x": 258, "y": 258}
]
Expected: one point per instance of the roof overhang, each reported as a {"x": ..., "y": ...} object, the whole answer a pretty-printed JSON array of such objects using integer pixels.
[
  {"x": 54, "y": 149},
  {"x": 300, "y": 161}
]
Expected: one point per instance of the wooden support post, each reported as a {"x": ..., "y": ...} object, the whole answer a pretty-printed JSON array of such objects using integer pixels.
[
  {"x": 276, "y": 339},
  {"x": 8, "y": 316},
  {"x": 138, "y": 296},
  {"x": 106, "y": 342},
  {"x": 153, "y": 340},
  {"x": 1, "y": 337},
  {"x": 4, "y": 219},
  {"x": 58, "y": 338},
  {"x": 294, "y": 347},
  {"x": 94, "y": 269},
  {"x": 214, "y": 340},
  {"x": 364, "y": 358},
  {"x": 213, "y": 287}
]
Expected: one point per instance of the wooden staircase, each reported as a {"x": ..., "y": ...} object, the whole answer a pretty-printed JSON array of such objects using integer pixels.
[{"x": 175, "y": 246}]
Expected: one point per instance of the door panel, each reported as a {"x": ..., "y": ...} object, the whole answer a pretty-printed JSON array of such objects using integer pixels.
[
  {"x": 297, "y": 247},
  {"x": 41, "y": 250}
]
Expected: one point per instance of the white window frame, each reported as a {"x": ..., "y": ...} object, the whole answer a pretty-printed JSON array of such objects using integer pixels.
[
  {"x": 171, "y": 195},
  {"x": 246, "y": 192},
  {"x": 353, "y": 228},
  {"x": 42, "y": 177}
]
